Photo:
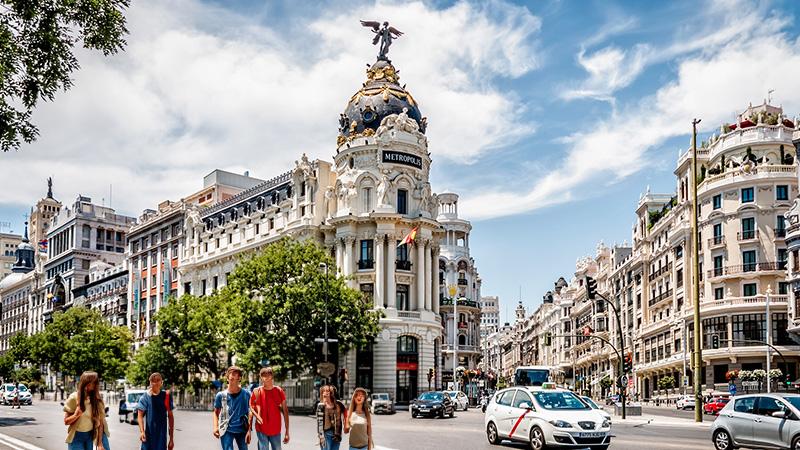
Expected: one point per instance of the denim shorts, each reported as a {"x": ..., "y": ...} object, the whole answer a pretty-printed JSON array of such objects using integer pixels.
[{"x": 83, "y": 441}]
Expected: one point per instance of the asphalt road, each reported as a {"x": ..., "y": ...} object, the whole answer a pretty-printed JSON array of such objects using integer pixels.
[{"x": 41, "y": 427}]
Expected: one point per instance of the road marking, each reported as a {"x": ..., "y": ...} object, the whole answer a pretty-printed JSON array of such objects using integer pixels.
[
  {"x": 378, "y": 447},
  {"x": 16, "y": 444}
]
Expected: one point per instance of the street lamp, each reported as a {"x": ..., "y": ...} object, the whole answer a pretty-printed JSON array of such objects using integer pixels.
[
  {"x": 452, "y": 290},
  {"x": 769, "y": 339},
  {"x": 324, "y": 268}
]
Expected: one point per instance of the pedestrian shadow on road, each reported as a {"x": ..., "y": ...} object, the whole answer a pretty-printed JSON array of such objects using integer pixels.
[{"x": 14, "y": 421}]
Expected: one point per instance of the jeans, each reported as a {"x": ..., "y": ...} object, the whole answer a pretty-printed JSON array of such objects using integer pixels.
[
  {"x": 83, "y": 441},
  {"x": 358, "y": 448},
  {"x": 229, "y": 438},
  {"x": 265, "y": 441},
  {"x": 329, "y": 443}
]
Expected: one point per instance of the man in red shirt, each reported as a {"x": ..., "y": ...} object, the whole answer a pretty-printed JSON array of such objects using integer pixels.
[{"x": 267, "y": 404}]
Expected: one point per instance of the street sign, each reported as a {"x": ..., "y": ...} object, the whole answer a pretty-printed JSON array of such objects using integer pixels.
[
  {"x": 686, "y": 381},
  {"x": 326, "y": 369},
  {"x": 732, "y": 389}
]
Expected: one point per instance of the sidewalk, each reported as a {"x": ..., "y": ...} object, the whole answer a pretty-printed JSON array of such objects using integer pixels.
[{"x": 649, "y": 419}]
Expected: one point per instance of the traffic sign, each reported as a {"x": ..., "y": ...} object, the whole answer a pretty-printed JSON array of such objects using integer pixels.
[
  {"x": 732, "y": 389},
  {"x": 326, "y": 369}
]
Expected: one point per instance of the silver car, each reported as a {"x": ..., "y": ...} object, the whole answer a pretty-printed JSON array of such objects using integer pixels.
[{"x": 758, "y": 421}]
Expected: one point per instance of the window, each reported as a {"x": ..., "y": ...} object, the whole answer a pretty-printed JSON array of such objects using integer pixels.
[
  {"x": 719, "y": 293},
  {"x": 402, "y": 300},
  {"x": 745, "y": 405},
  {"x": 366, "y": 195},
  {"x": 749, "y": 290},
  {"x": 678, "y": 251},
  {"x": 366, "y": 261},
  {"x": 748, "y": 228},
  {"x": 782, "y": 192},
  {"x": 402, "y": 252},
  {"x": 747, "y": 195},
  {"x": 780, "y": 333},
  {"x": 718, "y": 260},
  {"x": 203, "y": 287},
  {"x": 367, "y": 290},
  {"x": 768, "y": 405},
  {"x": 521, "y": 398},
  {"x": 782, "y": 256},
  {"x": 715, "y": 326},
  {"x": 749, "y": 327},
  {"x": 215, "y": 283},
  {"x": 783, "y": 288},
  {"x": 717, "y": 201},
  {"x": 506, "y": 397},
  {"x": 749, "y": 261},
  {"x": 402, "y": 201}
]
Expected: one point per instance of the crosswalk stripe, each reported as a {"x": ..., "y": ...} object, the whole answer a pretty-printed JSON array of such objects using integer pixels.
[{"x": 16, "y": 444}]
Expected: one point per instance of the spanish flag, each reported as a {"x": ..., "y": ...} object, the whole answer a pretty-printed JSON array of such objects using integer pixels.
[{"x": 409, "y": 237}]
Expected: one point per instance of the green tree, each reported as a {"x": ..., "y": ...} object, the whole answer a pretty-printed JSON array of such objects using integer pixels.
[
  {"x": 156, "y": 357},
  {"x": 276, "y": 303},
  {"x": 191, "y": 329},
  {"x": 37, "y": 38},
  {"x": 80, "y": 339}
]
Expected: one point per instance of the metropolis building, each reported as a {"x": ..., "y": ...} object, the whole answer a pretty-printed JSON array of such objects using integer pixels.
[{"x": 359, "y": 206}]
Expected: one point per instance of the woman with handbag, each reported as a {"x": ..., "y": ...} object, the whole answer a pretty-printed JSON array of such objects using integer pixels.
[
  {"x": 85, "y": 416},
  {"x": 330, "y": 417}
]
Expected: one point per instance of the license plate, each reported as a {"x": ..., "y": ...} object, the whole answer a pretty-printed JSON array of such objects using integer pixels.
[
  {"x": 591, "y": 435},
  {"x": 423, "y": 410}
]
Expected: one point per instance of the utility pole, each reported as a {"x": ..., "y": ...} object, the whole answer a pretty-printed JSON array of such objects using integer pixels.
[
  {"x": 769, "y": 341},
  {"x": 697, "y": 365}
]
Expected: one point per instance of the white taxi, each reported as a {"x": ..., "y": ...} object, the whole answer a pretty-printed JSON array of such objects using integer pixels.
[{"x": 545, "y": 417}]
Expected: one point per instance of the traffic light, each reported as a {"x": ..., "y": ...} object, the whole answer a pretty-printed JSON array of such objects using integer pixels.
[
  {"x": 431, "y": 374},
  {"x": 591, "y": 288},
  {"x": 548, "y": 339},
  {"x": 714, "y": 341},
  {"x": 627, "y": 364},
  {"x": 788, "y": 381}
]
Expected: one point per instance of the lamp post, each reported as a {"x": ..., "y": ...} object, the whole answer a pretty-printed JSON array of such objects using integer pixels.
[
  {"x": 697, "y": 362},
  {"x": 451, "y": 289},
  {"x": 769, "y": 340}
]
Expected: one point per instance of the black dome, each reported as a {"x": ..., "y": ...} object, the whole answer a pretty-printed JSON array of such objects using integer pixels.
[{"x": 380, "y": 96}]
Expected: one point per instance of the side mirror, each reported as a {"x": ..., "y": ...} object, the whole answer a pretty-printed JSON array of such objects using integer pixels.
[
  {"x": 525, "y": 405},
  {"x": 779, "y": 414}
]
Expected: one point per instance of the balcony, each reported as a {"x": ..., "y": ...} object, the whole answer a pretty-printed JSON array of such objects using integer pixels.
[
  {"x": 780, "y": 233},
  {"x": 662, "y": 270},
  {"x": 462, "y": 282},
  {"x": 747, "y": 235},
  {"x": 716, "y": 241},
  {"x": 402, "y": 265},
  {"x": 462, "y": 301},
  {"x": 744, "y": 301},
  {"x": 413, "y": 315},
  {"x": 740, "y": 269},
  {"x": 462, "y": 348},
  {"x": 364, "y": 264},
  {"x": 659, "y": 297}
]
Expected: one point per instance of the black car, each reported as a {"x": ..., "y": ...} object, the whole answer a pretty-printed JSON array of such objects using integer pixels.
[{"x": 435, "y": 403}]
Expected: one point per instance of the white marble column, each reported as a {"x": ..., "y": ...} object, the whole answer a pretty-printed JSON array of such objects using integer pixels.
[
  {"x": 339, "y": 256},
  {"x": 380, "y": 270},
  {"x": 435, "y": 274},
  {"x": 420, "y": 275},
  {"x": 347, "y": 266},
  {"x": 391, "y": 286},
  {"x": 428, "y": 281}
]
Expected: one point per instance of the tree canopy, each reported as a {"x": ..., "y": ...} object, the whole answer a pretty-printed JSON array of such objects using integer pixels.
[
  {"x": 276, "y": 302},
  {"x": 37, "y": 38}
]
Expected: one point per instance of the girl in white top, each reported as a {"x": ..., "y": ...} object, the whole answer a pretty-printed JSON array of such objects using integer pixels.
[{"x": 358, "y": 421}]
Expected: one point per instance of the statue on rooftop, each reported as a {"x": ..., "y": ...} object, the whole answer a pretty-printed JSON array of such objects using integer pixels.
[{"x": 384, "y": 34}]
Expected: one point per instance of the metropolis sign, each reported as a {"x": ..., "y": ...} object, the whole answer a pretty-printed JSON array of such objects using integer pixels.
[{"x": 407, "y": 159}]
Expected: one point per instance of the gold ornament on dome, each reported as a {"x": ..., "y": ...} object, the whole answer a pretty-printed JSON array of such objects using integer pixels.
[
  {"x": 366, "y": 133},
  {"x": 384, "y": 91},
  {"x": 386, "y": 73}
]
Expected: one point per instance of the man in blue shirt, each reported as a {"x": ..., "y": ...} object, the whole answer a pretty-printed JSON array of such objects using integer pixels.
[
  {"x": 231, "y": 410},
  {"x": 155, "y": 411}
]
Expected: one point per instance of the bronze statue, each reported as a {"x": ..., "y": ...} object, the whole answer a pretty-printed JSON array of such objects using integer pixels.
[{"x": 385, "y": 34}]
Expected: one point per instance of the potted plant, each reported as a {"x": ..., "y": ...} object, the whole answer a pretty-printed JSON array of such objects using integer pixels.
[
  {"x": 746, "y": 375},
  {"x": 731, "y": 376}
]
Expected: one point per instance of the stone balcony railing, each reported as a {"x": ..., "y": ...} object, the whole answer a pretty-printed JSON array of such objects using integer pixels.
[
  {"x": 746, "y": 268},
  {"x": 462, "y": 301}
]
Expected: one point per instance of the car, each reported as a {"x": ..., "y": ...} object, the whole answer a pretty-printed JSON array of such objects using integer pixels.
[
  {"x": 612, "y": 399},
  {"x": 545, "y": 417},
  {"x": 25, "y": 397},
  {"x": 460, "y": 399},
  {"x": 715, "y": 405},
  {"x": 382, "y": 403},
  {"x": 595, "y": 406},
  {"x": 685, "y": 402},
  {"x": 127, "y": 405},
  {"x": 433, "y": 403},
  {"x": 758, "y": 421}
]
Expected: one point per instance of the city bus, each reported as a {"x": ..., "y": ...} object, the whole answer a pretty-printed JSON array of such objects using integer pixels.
[{"x": 532, "y": 375}]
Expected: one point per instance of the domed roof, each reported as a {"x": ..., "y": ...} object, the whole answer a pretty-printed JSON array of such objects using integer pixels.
[{"x": 380, "y": 96}]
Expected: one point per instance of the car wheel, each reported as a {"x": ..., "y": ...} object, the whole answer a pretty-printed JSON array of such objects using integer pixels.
[
  {"x": 413, "y": 414},
  {"x": 537, "y": 439},
  {"x": 795, "y": 443},
  {"x": 441, "y": 414},
  {"x": 722, "y": 440},
  {"x": 491, "y": 434}
]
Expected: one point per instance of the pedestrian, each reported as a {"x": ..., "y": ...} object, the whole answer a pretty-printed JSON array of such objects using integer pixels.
[
  {"x": 15, "y": 396},
  {"x": 358, "y": 421},
  {"x": 267, "y": 403},
  {"x": 156, "y": 423},
  {"x": 231, "y": 411},
  {"x": 85, "y": 416},
  {"x": 41, "y": 392},
  {"x": 330, "y": 417}
]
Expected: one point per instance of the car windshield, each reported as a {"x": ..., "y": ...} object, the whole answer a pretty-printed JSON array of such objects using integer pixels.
[
  {"x": 9, "y": 387},
  {"x": 452, "y": 394},
  {"x": 133, "y": 397},
  {"x": 559, "y": 400},
  {"x": 531, "y": 377},
  {"x": 380, "y": 396},
  {"x": 23, "y": 388},
  {"x": 795, "y": 401},
  {"x": 591, "y": 403},
  {"x": 431, "y": 396}
]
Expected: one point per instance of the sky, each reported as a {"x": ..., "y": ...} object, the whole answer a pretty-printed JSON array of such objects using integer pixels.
[{"x": 548, "y": 118}]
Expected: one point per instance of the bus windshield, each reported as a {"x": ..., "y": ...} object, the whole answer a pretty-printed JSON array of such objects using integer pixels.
[{"x": 531, "y": 377}]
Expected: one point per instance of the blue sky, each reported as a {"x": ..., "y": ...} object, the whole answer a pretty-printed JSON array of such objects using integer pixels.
[{"x": 549, "y": 118}]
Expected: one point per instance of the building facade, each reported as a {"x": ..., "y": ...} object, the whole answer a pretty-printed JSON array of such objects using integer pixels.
[
  {"x": 15, "y": 293},
  {"x": 8, "y": 251},
  {"x": 106, "y": 292},
  {"x": 490, "y": 315}
]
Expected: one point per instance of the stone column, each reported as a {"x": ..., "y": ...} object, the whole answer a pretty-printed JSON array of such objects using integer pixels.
[
  {"x": 391, "y": 289},
  {"x": 339, "y": 255},
  {"x": 380, "y": 270},
  {"x": 349, "y": 258},
  {"x": 435, "y": 273},
  {"x": 420, "y": 274},
  {"x": 428, "y": 263}
]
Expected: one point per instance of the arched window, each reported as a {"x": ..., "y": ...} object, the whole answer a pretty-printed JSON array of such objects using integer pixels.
[
  {"x": 462, "y": 340},
  {"x": 406, "y": 344}
]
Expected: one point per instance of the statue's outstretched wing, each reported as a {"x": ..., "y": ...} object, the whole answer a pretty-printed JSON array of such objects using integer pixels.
[
  {"x": 395, "y": 31},
  {"x": 376, "y": 26},
  {"x": 376, "y": 38}
]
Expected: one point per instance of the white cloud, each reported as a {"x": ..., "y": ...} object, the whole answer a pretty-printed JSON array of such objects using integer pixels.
[
  {"x": 707, "y": 87},
  {"x": 200, "y": 87},
  {"x": 609, "y": 69}
]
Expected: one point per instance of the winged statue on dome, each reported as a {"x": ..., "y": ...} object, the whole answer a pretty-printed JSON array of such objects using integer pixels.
[{"x": 384, "y": 34}]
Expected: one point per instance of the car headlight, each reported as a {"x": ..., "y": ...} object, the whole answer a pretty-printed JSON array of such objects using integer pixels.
[
  {"x": 606, "y": 423},
  {"x": 560, "y": 424}
]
